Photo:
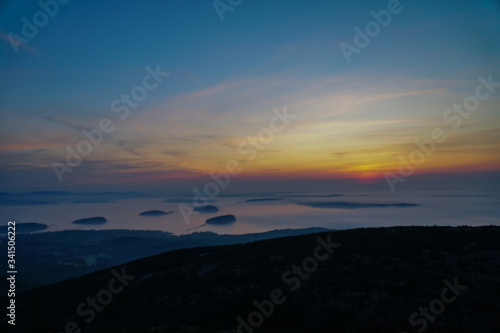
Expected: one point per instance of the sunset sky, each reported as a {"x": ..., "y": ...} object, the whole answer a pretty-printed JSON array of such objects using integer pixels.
[{"x": 352, "y": 120}]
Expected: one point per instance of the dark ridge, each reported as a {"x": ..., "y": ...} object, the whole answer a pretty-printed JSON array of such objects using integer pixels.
[{"x": 373, "y": 282}]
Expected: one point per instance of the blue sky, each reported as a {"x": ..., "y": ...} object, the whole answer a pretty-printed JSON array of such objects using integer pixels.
[{"x": 226, "y": 77}]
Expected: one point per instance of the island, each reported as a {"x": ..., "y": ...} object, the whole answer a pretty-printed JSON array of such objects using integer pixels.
[
  {"x": 263, "y": 199},
  {"x": 25, "y": 228},
  {"x": 206, "y": 209},
  {"x": 155, "y": 213},
  {"x": 177, "y": 200},
  {"x": 354, "y": 205},
  {"x": 91, "y": 220},
  {"x": 223, "y": 219}
]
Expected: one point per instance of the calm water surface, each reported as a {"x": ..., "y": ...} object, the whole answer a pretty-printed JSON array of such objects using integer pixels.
[{"x": 434, "y": 208}]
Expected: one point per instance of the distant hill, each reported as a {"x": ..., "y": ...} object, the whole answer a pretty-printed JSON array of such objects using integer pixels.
[
  {"x": 373, "y": 282},
  {"x": 51, "y": 257}
]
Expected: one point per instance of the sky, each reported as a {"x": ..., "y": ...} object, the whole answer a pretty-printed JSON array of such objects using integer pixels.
[{"x": 209, "y": 77}]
